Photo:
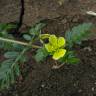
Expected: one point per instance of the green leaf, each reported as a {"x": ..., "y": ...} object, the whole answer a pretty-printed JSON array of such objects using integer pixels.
[
  {"x": 7, "y": 73},
  {"x": 6, "y": 63},
  {"x": 27, "y": 37},
  {"x": 35, "y": 30},
  {"x": 39, "y": 26},
  {"x": 1, "y": 44},
  {"x": 10, "y": 26},
  {"x": 3, "y": 33},
  {"x": 6, "y": 27},
  {"x": 2, "y": 26},
  {"x": 5, "y": 68},
  {"x": 77, "y": 34},
  {"x": 73, "y": 60},
  {"x": 16, "y": 70},
  {"x": 24, "y": 59},
  {"x": 17, "y": 47},
  {"x": 41, "y": 54},
  {"x": 12, "y": 54},
  {"x": 69, "y": 58},
  {"x": 6, "y": 45}
]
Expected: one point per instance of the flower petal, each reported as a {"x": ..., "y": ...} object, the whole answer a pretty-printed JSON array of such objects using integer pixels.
[
  {"x": 53, "y": 40},
  {"x": 61, "y": 41},
  {"x": 49, "y": 47},
  {"x": 59, "y": 53}
]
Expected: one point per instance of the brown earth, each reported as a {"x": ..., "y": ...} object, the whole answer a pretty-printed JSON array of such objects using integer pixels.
[
  {"x": 40, "y": 9},
  {"x": 39, "y": 79}
]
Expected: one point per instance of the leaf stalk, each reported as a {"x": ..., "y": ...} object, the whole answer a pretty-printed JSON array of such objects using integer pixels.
[{"x": 19, "y": 42}]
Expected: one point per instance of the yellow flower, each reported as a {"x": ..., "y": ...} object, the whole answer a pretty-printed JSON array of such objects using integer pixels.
[
  {"x": 59, "y": 53},
  {"x": 55, "y": 46}
]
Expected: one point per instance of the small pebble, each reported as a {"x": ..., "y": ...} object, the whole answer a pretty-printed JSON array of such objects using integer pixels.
[
  {"x": 88, "y": 49},
  {"x": 80, "y": 90},
  {"x": 93, "y": 88},
  {"x": 75, "y": 84},
  {"x": 43, "y": 85},
  {"x": 16, "y": 95},
  {"x": 95, "y": 83},
  {"x": 64, "y": 21}
]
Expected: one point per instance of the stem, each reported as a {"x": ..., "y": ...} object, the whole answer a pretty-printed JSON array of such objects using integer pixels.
[
  {"x": 17, "y": 59},
  {"x": 57, "y": 66},
  {"x": 18, "y": 42},
  {"x": 21, "y": 54}
]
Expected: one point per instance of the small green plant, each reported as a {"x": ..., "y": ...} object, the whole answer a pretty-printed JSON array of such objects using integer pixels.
[
  {"x": 14, "y": 52},
  {"x": 60, "y": 48}
]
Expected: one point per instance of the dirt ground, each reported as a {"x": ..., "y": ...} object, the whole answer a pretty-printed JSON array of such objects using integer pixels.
[
  {"x": 40, "y": 9},
  {"x": 38, "y": 79}
]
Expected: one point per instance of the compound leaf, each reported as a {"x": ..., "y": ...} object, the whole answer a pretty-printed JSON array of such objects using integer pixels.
[
  {"x": 7, "y": 73},
  {"x": 69, "y": 58},
  {"x": 35, "y": 30},
  {"x": 27, "y": 37},
  {"x": 41, "y": 54},
  {"x": 11, "y": 54},
  {"x": 77, "y": 34}
]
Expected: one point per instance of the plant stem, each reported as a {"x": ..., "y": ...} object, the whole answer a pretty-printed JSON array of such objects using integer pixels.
[
  {"x": 22, "y": 53},
  {"x": 18, "y": 42},
  {"x": 58, "y": 66},
  {"x": 17, "y": 59}
]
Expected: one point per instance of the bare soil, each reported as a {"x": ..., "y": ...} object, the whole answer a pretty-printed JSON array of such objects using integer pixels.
[{"x": 38, "y": 79}]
